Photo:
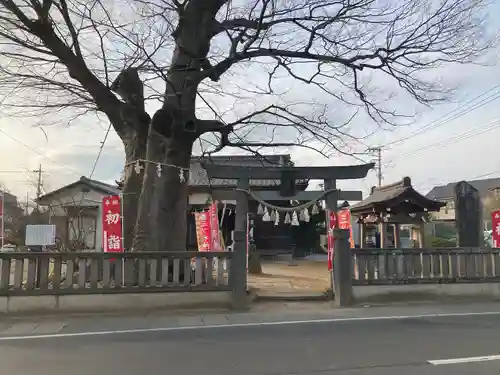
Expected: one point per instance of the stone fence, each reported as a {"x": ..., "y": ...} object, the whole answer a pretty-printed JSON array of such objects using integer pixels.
[
  {"x": 391, "y": 275},
  {"x": 115, "y": 281}
]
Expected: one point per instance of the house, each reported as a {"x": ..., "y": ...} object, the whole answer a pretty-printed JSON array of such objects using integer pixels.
[
  {"x": 75, "y": 209},
  {"x": 489, "y": 191}
]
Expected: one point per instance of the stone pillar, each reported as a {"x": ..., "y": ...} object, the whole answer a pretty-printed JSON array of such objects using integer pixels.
[
  {"x": 397, "y": 236},
  {"x": 342, "y": 269},
  {"x": 362, "y": 235},
  {"x": 365, "y": 232},
  {"x": 468, "y": 215},
  {"x": 239, "y": 260},
  {"x": 383, "y": 234},
  {"x": 421, "y": 235}
]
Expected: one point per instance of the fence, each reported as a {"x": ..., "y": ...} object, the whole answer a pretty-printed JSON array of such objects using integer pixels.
[
  {"x": 422, "y": 269},
  {"x": 421, "y": 266},
  {"x": 32, "y": 274}
]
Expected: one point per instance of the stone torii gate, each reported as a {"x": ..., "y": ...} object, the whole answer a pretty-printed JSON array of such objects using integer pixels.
[{"x": 287, "y": 176}]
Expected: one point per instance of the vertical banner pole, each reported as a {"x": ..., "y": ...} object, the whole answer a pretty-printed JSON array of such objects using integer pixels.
[
  {"x": 112, "y": 228},
  {"x": 123, "y": 238}
]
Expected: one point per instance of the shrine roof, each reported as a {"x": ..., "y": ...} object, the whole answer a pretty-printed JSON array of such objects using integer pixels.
[
  {"x": 198, "y": 175},
  {"x": 399, "y": 196}
]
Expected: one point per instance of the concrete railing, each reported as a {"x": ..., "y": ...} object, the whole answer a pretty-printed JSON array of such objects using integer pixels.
[
  {"x": 393, "y": 275},
  {"x": 419, "y": 266},
  {"x": 111, "y": 275}
]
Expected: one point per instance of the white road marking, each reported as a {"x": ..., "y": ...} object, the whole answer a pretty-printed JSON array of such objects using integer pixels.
[
  {"x": 453, "y": 361},
  {"x": 242, "y": 325}
]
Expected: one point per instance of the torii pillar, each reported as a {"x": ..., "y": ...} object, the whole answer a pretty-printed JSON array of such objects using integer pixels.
[{"x": 287, "y": 176}]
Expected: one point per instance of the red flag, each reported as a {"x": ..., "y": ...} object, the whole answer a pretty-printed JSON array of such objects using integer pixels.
[
  {"x": 344, "y": 222},
  {"x": 331, "y": 224},
  {"x": 203, "y": 230},
  {"x": 215, "y": 244},
  {"x": 112, "y": 224},
  {"x": 495, "y": 226}
]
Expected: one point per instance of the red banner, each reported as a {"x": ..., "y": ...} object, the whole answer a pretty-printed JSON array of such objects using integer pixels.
[
  {"x": 112, "y": 224},
  {"x": 214, "y": 226},
  {"x": 203, "y": 230},
  {"x": 344, "y": 222},
  {"x": 247, "y": 238},
  {"x": 495, "y": 227},
  {"x": 331, "y": 223}
]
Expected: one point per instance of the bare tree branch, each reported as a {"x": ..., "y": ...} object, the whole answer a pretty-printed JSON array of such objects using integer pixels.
[{"x": 250, "y": 74}]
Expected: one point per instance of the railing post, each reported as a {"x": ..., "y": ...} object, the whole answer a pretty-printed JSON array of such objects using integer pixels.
[
  {"x": 239, "y": 261},
  {"x": 331, "y": 206},
  {"x": 342, "y": 269}
]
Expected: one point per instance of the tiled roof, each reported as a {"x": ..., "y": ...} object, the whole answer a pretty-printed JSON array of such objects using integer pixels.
[
  {"x": 395, "y": 194},
  {"x": 446, "y": 191},
  {"x": 92, "y": 184},
  {"x": 198, "y": 175},
  {"x": 98, "y": 185}
]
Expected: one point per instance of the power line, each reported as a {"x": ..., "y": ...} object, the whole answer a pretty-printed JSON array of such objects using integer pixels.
[
  {"x": 438, "y": 123},
  {"x": 20, "y": 171},
  {"x": 448, "y": 141},
  {"x": 486, "y": 174},
  {"x": 478, "y": 177},
  {"x": 40, "y": 153},
  {"x": 100, "y": 151}
]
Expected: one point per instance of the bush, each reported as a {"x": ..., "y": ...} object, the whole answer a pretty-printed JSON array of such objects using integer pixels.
[{"x": 442, "y": 242}]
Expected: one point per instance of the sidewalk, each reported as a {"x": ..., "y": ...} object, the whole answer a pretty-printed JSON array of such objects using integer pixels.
[{"x": 260, "y": 314}]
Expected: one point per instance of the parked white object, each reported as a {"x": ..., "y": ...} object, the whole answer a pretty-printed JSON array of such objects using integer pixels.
[{"x": 40, "y": 235}]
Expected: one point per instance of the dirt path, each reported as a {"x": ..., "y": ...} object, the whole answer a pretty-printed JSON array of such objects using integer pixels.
[{"x": 291, "y": 278}]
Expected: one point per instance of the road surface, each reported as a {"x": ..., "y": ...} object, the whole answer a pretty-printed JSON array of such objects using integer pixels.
[{"x": 430, "y": 345}]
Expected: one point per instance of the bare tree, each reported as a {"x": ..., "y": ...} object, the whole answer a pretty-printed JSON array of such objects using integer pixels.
[{"x": 81, "y": 52}]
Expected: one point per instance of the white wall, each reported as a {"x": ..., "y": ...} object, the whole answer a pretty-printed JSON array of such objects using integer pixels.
[
  {"x": 198, "y": 198},
  {"x": 75, "y": 197}
]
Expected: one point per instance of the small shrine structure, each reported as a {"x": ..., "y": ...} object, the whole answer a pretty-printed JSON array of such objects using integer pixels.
[{"x": 390, "y": 206}]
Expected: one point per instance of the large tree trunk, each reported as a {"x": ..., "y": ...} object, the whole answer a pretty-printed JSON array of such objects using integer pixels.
[
  {"x": 161, "y": 217},
  {"x": 135, "y": 149}
]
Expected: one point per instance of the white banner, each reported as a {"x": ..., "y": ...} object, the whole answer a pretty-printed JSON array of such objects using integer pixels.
[{"x": 40, "y": 235}]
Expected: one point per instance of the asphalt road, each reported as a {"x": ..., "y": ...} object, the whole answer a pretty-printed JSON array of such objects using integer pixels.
[{"x": 375, "y": 347}]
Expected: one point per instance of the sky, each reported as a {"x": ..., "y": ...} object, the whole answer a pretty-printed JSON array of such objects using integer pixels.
[{"x": 457, "y": 141}]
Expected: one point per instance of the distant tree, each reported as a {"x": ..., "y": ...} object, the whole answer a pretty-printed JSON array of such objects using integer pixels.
[
  {"x": 445, "y": 230},
  {"x": 442, "y": 242}
]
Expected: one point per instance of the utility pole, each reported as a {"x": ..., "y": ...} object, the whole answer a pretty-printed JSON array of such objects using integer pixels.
[
  {"x": 38, "y": 185},
  {"x": 378, "y": 162}
]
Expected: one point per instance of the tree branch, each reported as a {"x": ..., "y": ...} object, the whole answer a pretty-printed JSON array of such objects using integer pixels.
[{"x": 208, "y": 126}]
